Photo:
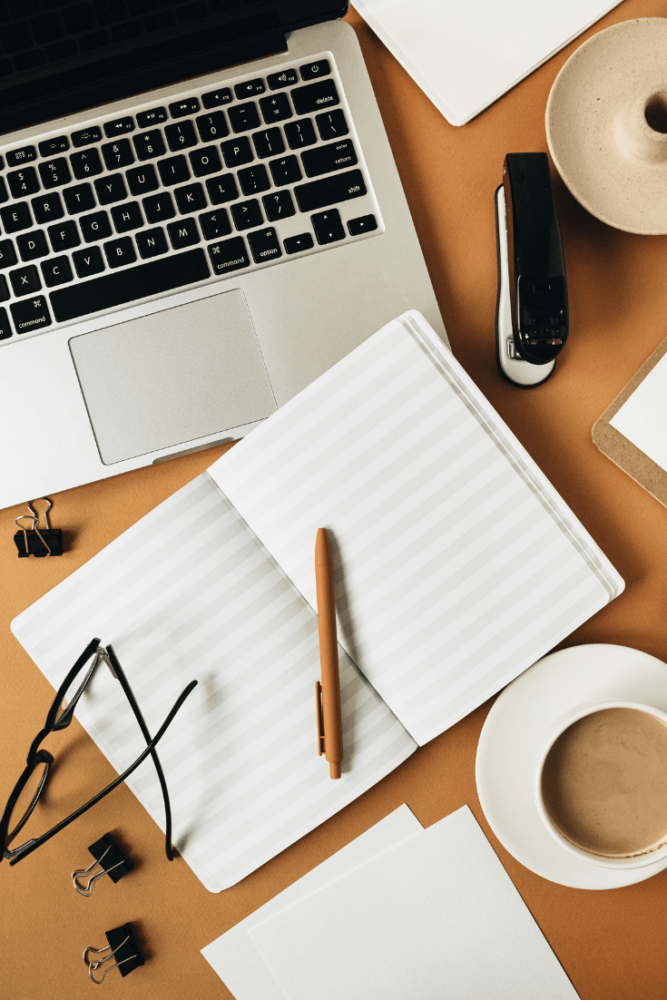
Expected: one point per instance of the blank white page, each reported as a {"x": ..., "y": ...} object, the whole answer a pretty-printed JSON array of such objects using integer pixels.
[
  {"x": 643, "y": 416},
  {"x": 457, "y": 564}
]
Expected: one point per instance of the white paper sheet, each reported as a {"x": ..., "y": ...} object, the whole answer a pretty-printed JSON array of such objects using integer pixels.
[
  {"x": 435, "y": 917},
  {"x": 643, "y": 417}
]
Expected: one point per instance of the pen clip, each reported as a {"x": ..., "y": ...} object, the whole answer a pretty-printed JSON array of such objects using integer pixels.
[{"x": 320, "y": 718}]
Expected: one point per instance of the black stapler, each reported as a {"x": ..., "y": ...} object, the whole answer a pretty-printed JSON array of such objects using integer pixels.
[{"x": 531, "y": 309}]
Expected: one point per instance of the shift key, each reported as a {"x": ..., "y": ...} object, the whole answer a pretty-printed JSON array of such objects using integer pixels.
[{"x": 330, "y": 190}]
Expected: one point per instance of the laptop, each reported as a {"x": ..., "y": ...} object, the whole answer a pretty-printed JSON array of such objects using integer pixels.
[{"x": 199, "y": 214}]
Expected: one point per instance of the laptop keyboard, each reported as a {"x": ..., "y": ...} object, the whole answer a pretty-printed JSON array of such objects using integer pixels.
[{"x": 213, "y": 184}]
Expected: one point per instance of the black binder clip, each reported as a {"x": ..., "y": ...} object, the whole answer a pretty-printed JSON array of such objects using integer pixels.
[
  {"x": 123, "y": 947},
  {"x": 531, "y": 310},
  {"x": 35, "y": 542},
  {"x": 110, "y": 858}
]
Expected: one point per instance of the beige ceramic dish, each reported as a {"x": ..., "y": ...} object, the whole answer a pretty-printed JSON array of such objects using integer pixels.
[{"x": 606, "y": 124}]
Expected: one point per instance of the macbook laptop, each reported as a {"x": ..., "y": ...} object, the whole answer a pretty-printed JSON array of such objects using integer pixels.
[{"x": 199, "y": 215}]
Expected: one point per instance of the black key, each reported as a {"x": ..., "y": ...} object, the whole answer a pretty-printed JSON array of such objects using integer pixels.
[
  {"x": 364, "y": 224},
  {"x": 120, "y": 252},
  {"x": 275, "y": 108},
  {"x": 228, "y": 255},
  {"x": 149, "y": 144},
  {"x": 49, "y": 147},
  {"x": 56, "y": 271},
  {"x": 285, "y": 170},
  {"x": 87, "y": 135},
  {"x": 315, "y": 97},
  {"x": 16, "y": 217},
  {"x": 164, "y": 19},
  {"x": 147, "y": 118},
  {"x": 278, "y": 205},
  {"x": 254, "y": 179},
  {"x": 4, "y": 289},
  {"x": 215, "y": 98},
  {"x": 248, "y": 89},
  {"x": 118, "y": 154},
  {"x": 31, "y": 314},
  {"x": 247, "y": 214},
  {"x": 25, "y": 280},
  {"x": 152, "y": 243},
  {"x": 297, "y": 244},
  {"x": 7, "y": 253},
  {"x": 119, "y": 126},
  {"x": 62, "y": 50},
  {"x": 4, "y": 194},
  {"x": 88, "y": 262},
  {"x": 79, "y": 198},
  {"x": 55, "y": 172},
  {"x": 127, "y": 216},
  {"x": 64, "y": 236},
  {"x": 300, "y": 134},
  {"x": 110, "y": 188},
  {"x": 115, "y": 289},
  {"x": 244, "y": 116},
  {"x": 32, "y": 245},
  {"x": 269, "y": 142},
  {"x": 328, "y": 227},
  {"x": 237, "y": 152},
  {"x": 123, "y": 32},
  {"x": 181, "y": 136},
  {"x": 86, "y": 163},
  {"x": 159, "y": 207},
  {"x": 95, "y": 226},
  {"x": 141, "y": 180},
  {"x": 212, "y": 127},
  {"x": 326, "y": 159},
  {"x": 5, "y": 327},
  {"x": 339, "y": 187},
  {"x": 331, "y": 124},
  {"x": 215, "y": 224},
  {"x": 79, "y": 17},
  {"x": 190, "y": 198},
  {"x": 95, "y": 40},
  {"x": 183, "y": 233},
  {"x": 17, "y": 157},
  {"x": 23, "y": 182},
  {"x": 174, "y": 170},
  {"x": 315, "y": 69},
  {"x": 205, "y": 161},
  {"x": 29, "y": 60},
  {"x": 188, "y": 106},
  {"x": 286, "y": 78},
  {"x": 264, "y": 245},
  {"x": 221, "y": 189}
]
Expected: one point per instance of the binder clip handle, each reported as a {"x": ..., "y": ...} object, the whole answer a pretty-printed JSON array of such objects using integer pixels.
[
  {"x": 122, "y": 946},
  {"x": 115, "y": 866}
]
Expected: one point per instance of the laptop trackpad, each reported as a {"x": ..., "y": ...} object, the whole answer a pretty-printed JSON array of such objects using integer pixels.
[{"x": 172, "y": 377}]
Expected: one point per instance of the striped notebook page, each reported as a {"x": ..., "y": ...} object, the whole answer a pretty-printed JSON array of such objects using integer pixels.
[{"x": 457, "y": 564}]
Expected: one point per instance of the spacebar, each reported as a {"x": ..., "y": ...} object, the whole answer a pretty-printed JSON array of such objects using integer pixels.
[{"x": 129, "y": 284}]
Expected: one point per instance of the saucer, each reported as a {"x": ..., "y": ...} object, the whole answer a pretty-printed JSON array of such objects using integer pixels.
[{"x": 514, "y": 734}]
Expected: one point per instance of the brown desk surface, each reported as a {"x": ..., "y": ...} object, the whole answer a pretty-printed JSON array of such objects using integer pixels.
[{"x": 612, "y": 944}]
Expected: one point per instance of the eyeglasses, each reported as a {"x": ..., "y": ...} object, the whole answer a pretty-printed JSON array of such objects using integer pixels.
[{"x": 39, "y": 762}]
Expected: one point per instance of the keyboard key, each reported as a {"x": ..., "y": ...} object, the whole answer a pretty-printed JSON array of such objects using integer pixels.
[
  {"x": 190, "y": 198},
  {"x": 95, "y": 226},
  {"x": 181, "y": 135},
  {"x": 110, "y": 188},
  {"x": 159, "y": 207},
  {"x": 315, "y": 97},
  {"x": 315, "y": 69},
  {"x": 149, "y": 144},
  {"x": 4, "y": 289},
  {"x": 297, "y": 244},
  {"x": 49, "y": 147},
  {"x": 78, "y": 18},
  {"x": 4, "y": 194},
  {"x": 215, "y": 98},
  {"x": 286, "y": 78},
  {"x": 326, "y": 159},
  {"x": 339, "y": 187},
  {"x": 123, "y": 32},
  {"x": 254, "y": 179},
  {"x": 278, "y": 205},
  {"x": 243, "y": 117},
  {"x": 264, "y": 245},
  {"x": 212, "y": 127},
  {"x": 188, "y": 106},
  {"x": 247, "y": 214},
  {"x": 62, "y": 50},
  {"x": 286, "y": 170},
  {"x": 183, "y": 233},
  {"x": 79, "y": 198},
  {"x": 174, "y": 170},
  {"x": 7, "y": 253},
  {"x": 85, "y": 136},
  {"x": 127, "y": 216},
  {"x": 31, "y": 314},
  {"x": 47, "y": 208},
  {"x": 215, "y": 224},
  {"x": 152, "y": 243},
  {"x": 147, "y": 118},
  {"x": 276, "y": 108},
  {"x": 17, "y": 157},
  {"x": 86, "y": 164},
  {"x": 237, "y": 152},
  {"x": 300, "y": 134},
  {"x": 328, "y": 227},
  {"x": 269, "y": 142},
  {"x": 118, "y": 154},
  {"x": 221, "y": 189},
  {"x": 56, "y": 271},
  {"x": 16, "y": 217},
  {"x": 23, "y": 182},
  {"x": 248, "y": 89},
  {"x": 228, "y": 255},
  {"x": 64, "y": 236},
  {"x": 121, "y": 252},
  {"x": 32, "y": 245},
  {"x": 118, "y": 126},
  {"x": 205, "y": 161},
  {"x": 331, "y": 124},
  {"x": 55, "y": 172},
  {"x": 25, "y": 280},
  {"x": 5, "y": 326},
  {"x": 141, "y": 180},
  {"x": 163, "y": 19},
  {"x": 364, "y": 224},
  {"x": 88, "y": 262}
]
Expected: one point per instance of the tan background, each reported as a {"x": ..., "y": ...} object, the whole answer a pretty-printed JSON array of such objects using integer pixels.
[{"x": 612, "y": 944}]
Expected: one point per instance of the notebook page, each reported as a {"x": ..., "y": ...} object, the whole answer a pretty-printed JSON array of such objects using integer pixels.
[
  {"x": 457, "y": 564},
  {"x": 188, "y": 592}
]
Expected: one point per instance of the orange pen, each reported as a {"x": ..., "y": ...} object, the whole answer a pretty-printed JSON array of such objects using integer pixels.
[{"x": 329, "y": 718}]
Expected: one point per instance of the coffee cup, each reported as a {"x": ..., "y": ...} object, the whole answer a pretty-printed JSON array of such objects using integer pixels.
[{"x": 601, "y": 784}]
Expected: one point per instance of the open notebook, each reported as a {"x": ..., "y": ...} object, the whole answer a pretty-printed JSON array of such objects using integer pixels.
[{"x": 457, "y": 566}]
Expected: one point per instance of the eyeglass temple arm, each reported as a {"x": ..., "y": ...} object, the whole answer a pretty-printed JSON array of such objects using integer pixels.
[{"x": 32, "y": 845}]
